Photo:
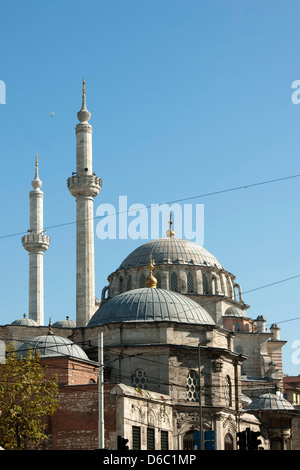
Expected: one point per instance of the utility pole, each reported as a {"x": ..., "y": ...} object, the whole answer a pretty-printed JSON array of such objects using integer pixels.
[
  {"x": 100, "y": 392},
  {"x": 201, "y": 343}
]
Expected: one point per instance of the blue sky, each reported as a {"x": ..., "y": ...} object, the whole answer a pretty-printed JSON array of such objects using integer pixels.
[{"x": 187, "y": 98}]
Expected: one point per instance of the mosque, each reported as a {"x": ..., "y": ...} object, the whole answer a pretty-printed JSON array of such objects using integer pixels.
[{"x": 169, "y": 358}]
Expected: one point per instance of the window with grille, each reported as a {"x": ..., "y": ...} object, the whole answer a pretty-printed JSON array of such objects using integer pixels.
[
  {"x": 136, "y": 438},
  {"x": 192, "y": 386},
  {"x": 205, "y": 284},
  {"x": 158, "y": 278},
  {"x": 190, "y": 283},
  {"x": 164, "y": 440},
  {"x": 139, "y": 379},
  {"x": 129, "y": 283},
  {"x": 142, "y": 281},
  {"x": 237, "y": 326},
  {"x": 174, "y": 282},
  {"x": 150, "y": 439}
]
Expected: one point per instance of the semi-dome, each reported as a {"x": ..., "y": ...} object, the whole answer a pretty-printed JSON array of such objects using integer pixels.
[
  {"x": 150, "y": 305},
  {"x": 52, "y": 345},
  {"x": 270, "y": 401},
  {"x": 170, "y": 250}
]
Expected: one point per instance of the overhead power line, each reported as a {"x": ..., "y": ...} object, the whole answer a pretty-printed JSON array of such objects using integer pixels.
[{"x": 189, "y": 198}]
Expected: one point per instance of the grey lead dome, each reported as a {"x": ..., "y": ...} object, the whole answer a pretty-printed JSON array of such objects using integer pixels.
[
  {"x": 170, "y": 250},
  {"x": 51, "y": 345},
  {"x": 151, "y": 305},
  {"x": 270, "y": 401}
]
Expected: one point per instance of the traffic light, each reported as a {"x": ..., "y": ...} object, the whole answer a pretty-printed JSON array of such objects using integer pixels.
[
  {"x": 248, "y": 440},
  {"x": 242, "y": 440},
  {"x": 122, "y": 443},
  {"x": 254, "y": 442}
]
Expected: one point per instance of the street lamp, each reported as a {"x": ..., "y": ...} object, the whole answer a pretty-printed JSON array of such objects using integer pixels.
[{"x": 201, "y": 343}]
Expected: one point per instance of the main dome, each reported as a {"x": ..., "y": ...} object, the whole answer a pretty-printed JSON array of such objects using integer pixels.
[
  {"x": 170, "y": 250},
  {"x": 150, "y": 305}
]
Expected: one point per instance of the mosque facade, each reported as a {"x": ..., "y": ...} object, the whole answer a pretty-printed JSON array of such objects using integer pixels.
[{"x": 170, "y": 358}]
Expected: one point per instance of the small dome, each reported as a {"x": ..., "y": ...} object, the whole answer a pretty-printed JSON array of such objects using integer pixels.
[
  {"x": 270, "y": 401},
  {"x": 235, "y": 312},
  {"x": 67, "y": 323},
  {"x": 260, "y": 318},
  {"x": 51, "y": 345},
  {"x": 151, "y": 305},
  {"x": 245, "y": 400},
  {"x": 25, "y": 321},
  {"x": 170, "y": 250}
]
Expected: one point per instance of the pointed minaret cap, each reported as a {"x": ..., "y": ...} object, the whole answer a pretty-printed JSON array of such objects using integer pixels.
[
  {"x": 83, "y": 115},
  {"x": 151, "y": 281},
  {"x": 36, "y": 183}
]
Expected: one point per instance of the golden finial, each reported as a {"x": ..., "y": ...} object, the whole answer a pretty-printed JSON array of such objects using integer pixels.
[
  {"x": 151, "y": 281},
  {"x": 170, "y": 232},
  {"x": 36, "y": 160},
  {"x": 83, "y": 86}
]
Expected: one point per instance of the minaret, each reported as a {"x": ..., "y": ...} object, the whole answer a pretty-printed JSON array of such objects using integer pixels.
[
  {"x": 36, "y": 243},
  {"x": 84, "y": 185}
]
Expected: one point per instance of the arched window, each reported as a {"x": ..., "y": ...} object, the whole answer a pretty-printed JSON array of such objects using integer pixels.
[
  {"x": 228, "y": 395},
  {"x": 228, "y": 442},
  {"x": 174, "y": 282},
  {"x": 192, "y": 386},
  {"x": 158, "y": 278},
  {"x": 139, "y": 379},
  {"x": 142, "y": 282},
  {"x": 205, "y": 284},
  {"x": 189, "y": 441},
  {"x": 190, "y": 283},
  {"x": 129, "y": 282}
]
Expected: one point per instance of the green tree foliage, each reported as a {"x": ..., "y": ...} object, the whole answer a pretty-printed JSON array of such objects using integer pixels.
[{"x": 25, "y": 398}]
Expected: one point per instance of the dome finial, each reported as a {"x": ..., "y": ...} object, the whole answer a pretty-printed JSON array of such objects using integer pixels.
[
  {"x": 170, "y": 232},
  {"x": 151, "y": 281},
  {"x": 50, "y": 331}
]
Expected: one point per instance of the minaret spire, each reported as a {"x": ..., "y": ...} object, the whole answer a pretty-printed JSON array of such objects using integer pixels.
[
  {"x": 36, "y": 243},
  {"x": 84, "y": 185}
]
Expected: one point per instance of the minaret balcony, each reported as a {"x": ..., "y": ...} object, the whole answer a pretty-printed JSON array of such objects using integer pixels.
[
  {"x": 35, "y": 242},
  {"x": 84, "y": 185}
]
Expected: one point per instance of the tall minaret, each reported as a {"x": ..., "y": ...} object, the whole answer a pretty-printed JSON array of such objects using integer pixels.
[
  {"x": 84, "y": 185},
  {"x": 36, "y": 243}
]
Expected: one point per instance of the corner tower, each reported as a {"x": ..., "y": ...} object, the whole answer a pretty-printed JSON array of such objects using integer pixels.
[
  {"x": 36, "y": 243},
  {"x": 84, "y": 185}
]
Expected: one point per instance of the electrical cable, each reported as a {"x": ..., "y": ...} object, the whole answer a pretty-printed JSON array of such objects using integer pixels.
[{"x": 213, "y": 193}]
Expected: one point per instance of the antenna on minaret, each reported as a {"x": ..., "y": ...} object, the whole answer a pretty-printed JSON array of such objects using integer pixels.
[{"x": 36, "y": 243}]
